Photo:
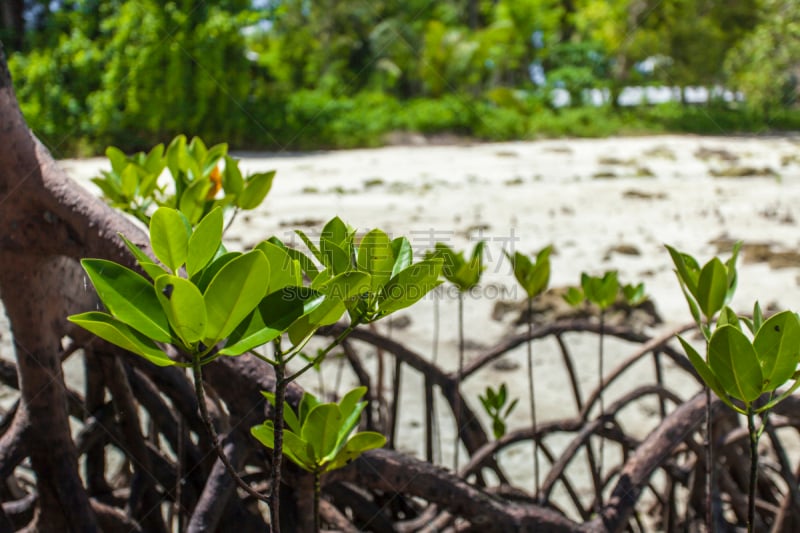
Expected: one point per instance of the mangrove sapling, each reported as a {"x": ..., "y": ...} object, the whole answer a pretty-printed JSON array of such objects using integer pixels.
[
  {"x": 369, "y": 281},
  {"x": 533, "y": 277},
  {"x": 602, "y": 292},
  {"x": 741, "y": 371},
  {"x": 465, "y": 275},
  {"x": 207, "y": 303},
  {"x": 494, "y": 403},
  {"x": 318, "y": 436},
  {"x": 706, "y": 290}
]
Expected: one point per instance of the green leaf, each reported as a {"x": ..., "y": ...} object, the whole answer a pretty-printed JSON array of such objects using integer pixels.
[
  {"x": 292, "y": 422},
  {"x": 778, "y": 399},
  {"x": 151, "y": 269},
  {"x": 215, "y": 153},
  {"x": 705, "y": 372},
  {"x": 307, "y": 402},
  {"x": 234, "y": 292},
  {"x": 758, "y": 317},
  {"x": 328, "y": 312},
  {"x": 130, "y": 181},
  {"x": 184, "y": 306},
  {"x": 321, "y": 429},
  {"x": 601, "y": 291},
  {"x": 574, "y": 296},
  {"x": 350, "y": 409},
  {"x": 336, "y": 258},
  {"x": 403, "y": 253},
  {"x": 293, "y": 446},
  {"x": 169, "y": 237},
  {"x": 452, "y": 262},
  {"x": 410, "y": 286},
  {"x": 376, "y": 257},
  {"x": 283, "y": 271},
  {"x": 204, "y": 242},
  {"x": 306, "y": 264},
  {"x": 311, "y": 246},
  {"x": 777, "y": 345},
  {"x": 129, "y": 297},
  {"x": 197, "y": 149},
  {"x": 693, "y": 308},
  {"x": 733, "y": 360},
  {"x": 203, "y": 278},
  {"x": 273, "y": 315},
  {"x": 337, "y": 232},
  {"x": 154, "y": 162},
  {"x": 265, "y": 433},
  {"x": 346, "y": 285},
  {"x": 350, "y": 400},
  {"x": 177, "y": 156},
  {"x": 300, "y": 451},
  {"x": 540, "y": 275},
  {"x": 112, "y": 330},
  {"x": 117, "y": 158},
  {"x": 193, "y": 200},
  {"x": 634, "y": 294},
  {"x": 687, "y": 269},
  {"x": 730, "y": 267},
  {"x": 232, "y": 181},
  {"x": 355, "y": 446},
  {"x": 533, "y": 277},
  {"x": 728, "y": 317},
  {"x": 255, "y": 190},
  {"x": 712, "y": 288},
  {"x": 109, "y": 187}
]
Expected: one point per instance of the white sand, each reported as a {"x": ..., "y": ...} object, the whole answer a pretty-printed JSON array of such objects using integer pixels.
[{"x": 530, "y": 194}]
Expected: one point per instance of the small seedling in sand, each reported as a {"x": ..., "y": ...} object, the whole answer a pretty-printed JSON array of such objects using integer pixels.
[
  {"x": 601, "y": 292},
  {"x": 465, "y": 275},
  {"x": 533, "y": 277},
  {"x": 494, "y": 403}
]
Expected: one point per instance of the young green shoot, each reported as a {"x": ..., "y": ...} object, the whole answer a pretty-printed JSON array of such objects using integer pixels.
[
  {"x": 318, "y": 436},
  {"x": 706, "y": 290},
  {"x": 496, "y": 406},
  {"x": 740, "y": 371},
  {"x": 602, "y": 292},
  {"x": 533, "y": 277},
  {"x": 465, "y": 275}
]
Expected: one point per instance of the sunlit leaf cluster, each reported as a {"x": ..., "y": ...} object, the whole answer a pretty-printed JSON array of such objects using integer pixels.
[
  {"x": 201, "y": 179},
  {"x": 318, "y": 436}
]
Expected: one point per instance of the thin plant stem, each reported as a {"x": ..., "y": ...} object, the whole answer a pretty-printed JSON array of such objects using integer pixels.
[
  {"x": 317, "y": 492},
  {"x": 230, "y": 222},
  {"x": 532, "y": 398},
  {"x": 751, "y": 493},
  {"x": 709, "y": 454},
  {"x": 458, "y": 377},
  {"x": 179, "y": 471},
  {"x": 321, "y": 355},
  {"x": 201, "y": 400},
  {"x": 707, "y": 450},
  {"x": 436, "y": 437},
  {"x": 277, "y": 442},
  {"x": 602, "y": 404}
]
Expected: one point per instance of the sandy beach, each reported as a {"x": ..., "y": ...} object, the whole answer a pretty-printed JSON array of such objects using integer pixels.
[{"x": 602, "y": 203}]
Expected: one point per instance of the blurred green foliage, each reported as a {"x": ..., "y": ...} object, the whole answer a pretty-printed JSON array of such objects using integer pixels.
[{"x": 299, "y": 74}]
